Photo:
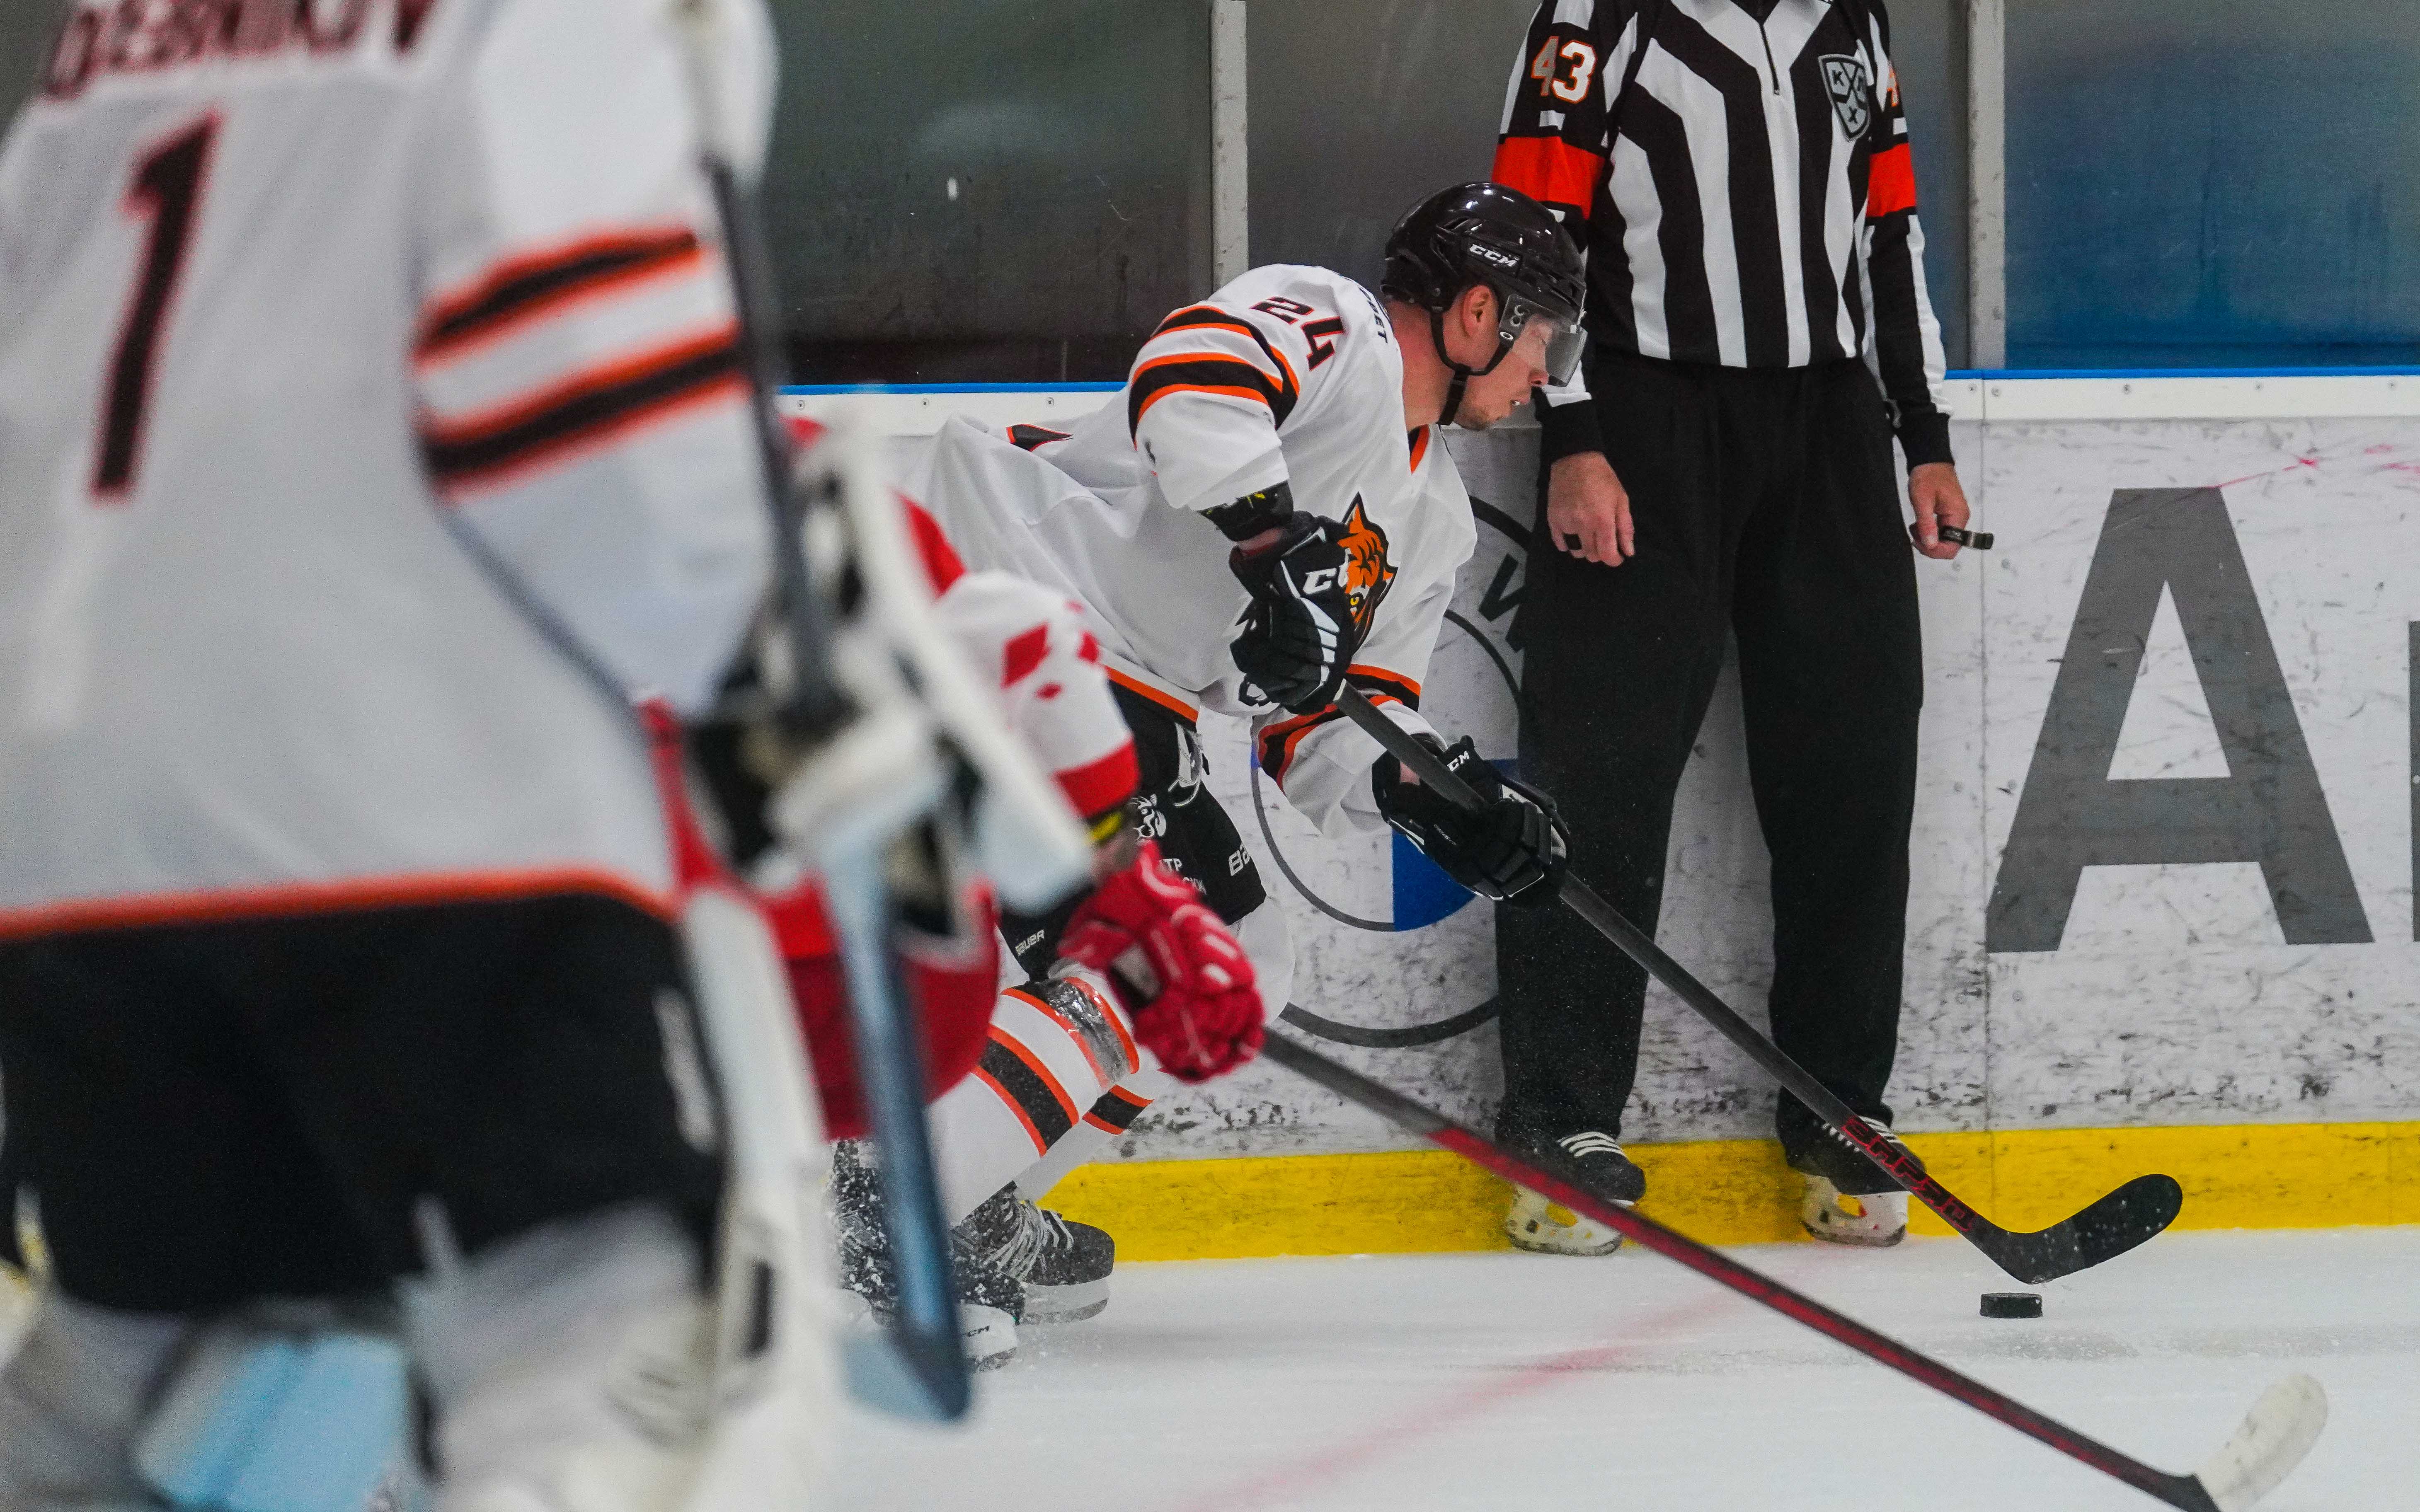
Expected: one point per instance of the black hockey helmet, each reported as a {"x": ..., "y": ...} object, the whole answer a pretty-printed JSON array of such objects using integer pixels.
[{"x": 1487, "y": 234}]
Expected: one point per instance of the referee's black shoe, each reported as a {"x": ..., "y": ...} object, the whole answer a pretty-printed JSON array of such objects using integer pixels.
[
  {"x": 1848, "y": 1199},
  {"x": 1548, "y": 1228}
]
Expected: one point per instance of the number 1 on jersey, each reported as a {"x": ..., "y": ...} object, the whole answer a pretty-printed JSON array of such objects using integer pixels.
[{"x": 167, "y": 191}]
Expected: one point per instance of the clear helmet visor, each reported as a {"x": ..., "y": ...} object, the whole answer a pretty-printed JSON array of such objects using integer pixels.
[
  {"x": 1565, "y": 339},
  {"x": 1564, "y": 345}
]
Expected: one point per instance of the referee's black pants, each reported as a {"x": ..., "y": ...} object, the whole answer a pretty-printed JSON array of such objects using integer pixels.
[{"x": 1764, "y": 502}]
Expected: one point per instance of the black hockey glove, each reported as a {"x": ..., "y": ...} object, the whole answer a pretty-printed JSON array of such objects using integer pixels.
[
  {"x": 1298, "y": 632},
  {"x": 1514, "y": 850}
]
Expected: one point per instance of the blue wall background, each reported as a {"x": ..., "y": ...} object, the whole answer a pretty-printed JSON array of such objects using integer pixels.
[{"x": 2213, "y": 182}]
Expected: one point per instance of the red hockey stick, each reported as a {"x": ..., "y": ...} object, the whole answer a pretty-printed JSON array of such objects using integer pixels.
[{"x": 2271, "y": 1441}]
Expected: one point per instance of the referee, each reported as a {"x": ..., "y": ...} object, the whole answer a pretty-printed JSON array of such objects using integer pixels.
[{"x": 1760, "y": 329}]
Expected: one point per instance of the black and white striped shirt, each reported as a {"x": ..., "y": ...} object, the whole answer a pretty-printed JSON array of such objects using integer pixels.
[{"x": 1746, "y": 186}]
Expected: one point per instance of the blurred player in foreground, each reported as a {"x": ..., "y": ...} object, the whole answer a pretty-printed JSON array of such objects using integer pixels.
[
  {"x": 1262, "y": 514},
  {"x": 374, "y": 422}
]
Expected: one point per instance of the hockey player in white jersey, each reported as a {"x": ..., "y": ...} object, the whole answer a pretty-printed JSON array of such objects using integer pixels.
[
  {"x": 1261, "y": 515},
  {"x": 372, "y": 423},
  {"x": 1008, "y": 1065}
]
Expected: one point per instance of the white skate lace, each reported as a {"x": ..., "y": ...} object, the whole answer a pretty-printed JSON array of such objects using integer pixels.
[
  {"x": 1591, "y": 1143},
  {"x": 1039, "y": 1231}
]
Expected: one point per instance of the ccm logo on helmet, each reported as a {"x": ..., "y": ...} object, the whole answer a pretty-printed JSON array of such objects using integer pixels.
[{"x": 1499, "y": 259}]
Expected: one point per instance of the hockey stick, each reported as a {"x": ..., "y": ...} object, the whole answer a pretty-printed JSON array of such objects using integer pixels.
[
  {"x": 2271, "y": 1441},
  {"x": 814, "y": 712},
  {"x": 2135, "y": 1213},
  {"x": 929, "y": 751}
]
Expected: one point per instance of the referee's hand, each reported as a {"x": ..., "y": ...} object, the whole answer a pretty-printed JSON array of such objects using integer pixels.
[
  {"x": 1587, "y": 511},
  {"x": 1934, "y": 492}
]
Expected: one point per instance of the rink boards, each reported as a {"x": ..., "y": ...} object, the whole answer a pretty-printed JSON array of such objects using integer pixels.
[{"x": 2161, "y": 916}]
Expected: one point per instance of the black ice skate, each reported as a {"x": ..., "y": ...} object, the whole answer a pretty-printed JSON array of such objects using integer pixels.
[
  {"x": 1065, "y": 1265},
  {"x": 991, "y": 1301},
  {"x": 1546, "y": 1227},
  {"x": 1849, "y": 1200}
]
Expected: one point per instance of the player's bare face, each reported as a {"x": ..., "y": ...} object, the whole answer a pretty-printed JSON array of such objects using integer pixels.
[{"x": 1492, "y": 396}]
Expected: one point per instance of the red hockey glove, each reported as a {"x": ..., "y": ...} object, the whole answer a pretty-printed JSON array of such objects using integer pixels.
[{"x": 1200, "y": 1012}]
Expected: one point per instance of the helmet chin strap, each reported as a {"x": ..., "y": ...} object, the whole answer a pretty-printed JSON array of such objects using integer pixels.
[{"x": 1462, "y": 374}]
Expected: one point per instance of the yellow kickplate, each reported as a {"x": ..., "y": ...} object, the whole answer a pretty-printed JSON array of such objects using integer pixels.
[
  {"x": 1738, "y": 1192},
  {"x": 1205, "y": 1210}
]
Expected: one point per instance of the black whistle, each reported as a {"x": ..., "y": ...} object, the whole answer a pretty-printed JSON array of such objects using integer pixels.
[{"x": 1977, "y": 540}]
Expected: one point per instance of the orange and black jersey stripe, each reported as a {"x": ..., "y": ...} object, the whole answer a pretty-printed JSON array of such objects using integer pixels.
[
  {"x": 1116, "y": 1110},
  {"x": 1208, "y": 369},
  {"x": 1034, "y": 438},
  {"x": 1020, "y": 1079},
  {"x": 526, "y": 289},
  {"x": 1279, "y": 741},
  {"x": 588, "y": 408}
]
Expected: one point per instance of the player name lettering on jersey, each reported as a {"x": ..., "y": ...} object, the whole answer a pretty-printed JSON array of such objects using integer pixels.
[{"x": 150, "y": 37}]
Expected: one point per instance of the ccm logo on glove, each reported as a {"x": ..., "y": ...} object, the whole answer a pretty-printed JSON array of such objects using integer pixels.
[
  {"x": 1513, "y": 848},
  {"x": 1299, "y": 631}
]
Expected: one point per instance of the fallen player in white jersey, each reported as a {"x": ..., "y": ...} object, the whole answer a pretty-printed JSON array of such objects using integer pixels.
[
  {"x": 1014, "y": 1066},
  {"x": 1262, "y": 514}
]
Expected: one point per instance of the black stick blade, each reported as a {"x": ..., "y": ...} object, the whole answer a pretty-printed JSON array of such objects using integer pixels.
[{"x": 2133, "y": 1214}]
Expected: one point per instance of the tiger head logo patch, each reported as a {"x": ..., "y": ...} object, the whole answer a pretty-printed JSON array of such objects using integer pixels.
[{"x": 1368, "y": 573}]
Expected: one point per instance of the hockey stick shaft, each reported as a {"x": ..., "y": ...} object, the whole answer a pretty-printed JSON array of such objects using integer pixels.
[
  {"x": 810, "y": 703},
  {"x": 812, "y": 708},
  {"x": 1549, "y": 1178},
  {"x": 1902, "y": 1165}
]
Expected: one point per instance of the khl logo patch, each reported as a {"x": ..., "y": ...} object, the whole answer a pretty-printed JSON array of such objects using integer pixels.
[{"x": 1851, "y": 87}]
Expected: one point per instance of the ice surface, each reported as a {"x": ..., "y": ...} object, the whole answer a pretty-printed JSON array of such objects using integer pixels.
[{"x": 1393, "y": 1383}]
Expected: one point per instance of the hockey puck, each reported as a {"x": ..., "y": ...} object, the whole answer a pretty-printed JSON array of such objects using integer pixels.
[{"x": 2012, "y": 1305}]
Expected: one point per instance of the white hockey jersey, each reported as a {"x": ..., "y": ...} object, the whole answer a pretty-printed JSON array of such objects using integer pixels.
[
  {"x": 1288, "y": 375},
  {"x": 359, "y": 361}
]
